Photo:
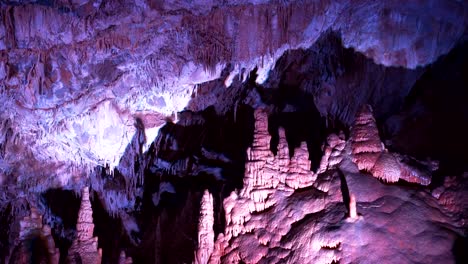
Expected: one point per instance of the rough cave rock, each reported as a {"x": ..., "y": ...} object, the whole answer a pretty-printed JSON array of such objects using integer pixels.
[{"x": 244, "y": 131}]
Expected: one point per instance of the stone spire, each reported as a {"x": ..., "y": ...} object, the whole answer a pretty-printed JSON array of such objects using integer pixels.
[
  {"x": 84, "y": 247},
  {"x": 370, "y": 154},
  {"x": 265, "y": 176},
  {"x": 352, "y": 207},
  {"x": 205, "y": 230},
  {"x": 84, "y": 225}
]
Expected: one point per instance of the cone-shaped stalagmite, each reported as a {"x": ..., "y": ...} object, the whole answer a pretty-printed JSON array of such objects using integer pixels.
[
  {"x": 370, "y": 155},
  {"x": 84, "y": 248}
]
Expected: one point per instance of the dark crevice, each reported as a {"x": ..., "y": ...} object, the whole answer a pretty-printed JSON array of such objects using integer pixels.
[
  {"x": 344, "y": 189},
  {"x": 63, "y": 206}
]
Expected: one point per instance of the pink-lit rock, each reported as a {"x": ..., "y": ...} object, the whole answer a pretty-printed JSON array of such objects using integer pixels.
[
  {"x": 370, "y": 154},
  {"x": 269, "y": 222},
  {"x": 124, "y": 259},
  {"x": 84, "y": 248},
  {"x": 205, "y": 230},
  {"x": 32, "y": 228}
]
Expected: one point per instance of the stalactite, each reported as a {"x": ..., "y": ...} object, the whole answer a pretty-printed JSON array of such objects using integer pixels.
[{"x": 9, "y": 22}]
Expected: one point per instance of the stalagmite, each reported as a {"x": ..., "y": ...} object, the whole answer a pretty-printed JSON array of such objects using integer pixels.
[
  {"x": 352, "y": 207},
  {"x": 32, "y": 229},
  {"x": 84, "y": 248},
  {"x": 205, "y": 230},
  {"x": 268, "y": 179},
  {"x": 370, "y": 154}
]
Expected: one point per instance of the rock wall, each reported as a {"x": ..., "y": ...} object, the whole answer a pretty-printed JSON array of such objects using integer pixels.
[{"x": 74, "y": 75}]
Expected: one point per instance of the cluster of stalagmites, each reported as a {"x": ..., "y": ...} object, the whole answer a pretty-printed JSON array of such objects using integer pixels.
[
  {"x": 268, "y": 179},
  {"x": 280, "y": 191},
  {"x": 84, "y": 248}
]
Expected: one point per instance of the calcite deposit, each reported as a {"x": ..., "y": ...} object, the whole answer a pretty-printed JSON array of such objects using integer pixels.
[
  {"x": 205, "y": 230},
  {"x": 85, "y": 247},
  {"x": 33, "y": 231},
  {"x": 370, "y": 154},
  {"x": 286, "y": 213},
  {"x": 75, "y": 75}
]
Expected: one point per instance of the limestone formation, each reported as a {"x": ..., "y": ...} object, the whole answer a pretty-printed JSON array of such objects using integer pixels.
[
  {"x": 333, "y": 152},
  {"x": 85, "y": 67},
  {"x": 86, "y": 87},
  {"x": 268, "y": 184},
  {"x": 370, "y": 154},
  {"x": 32, "y": 229},
  {"x": 84, "y": 248},
  {"x": 205, "y": 230},
  {"x": 287, "y": 214}
]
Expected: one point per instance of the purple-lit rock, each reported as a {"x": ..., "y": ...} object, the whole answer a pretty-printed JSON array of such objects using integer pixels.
[{"x": 246, "y": 131}]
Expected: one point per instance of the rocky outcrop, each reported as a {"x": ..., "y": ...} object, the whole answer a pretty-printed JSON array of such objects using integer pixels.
[
  {"x": 287, "y": 214},
  {"x": 370, "y": 154},
  {"x": 453, "y": 195},
  {"x": 84, "y": 248},
  {"x": 36, "y": 241}
]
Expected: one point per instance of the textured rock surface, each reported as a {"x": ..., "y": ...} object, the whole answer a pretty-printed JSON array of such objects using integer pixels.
[
  {"x": 31, "y": 231},
  {"x": 75, "y": 75},
  {"x": 85, "y": 248},
  {"x": 124, "y": 259},
  {"x": 205, "y": 230},
  {"x": 86, "y": 87},
  {"x": 269, "y": 222},
  {"x": 370, "y": 154}
]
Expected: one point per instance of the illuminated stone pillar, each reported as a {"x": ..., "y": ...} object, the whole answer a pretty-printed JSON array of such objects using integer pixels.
[{"x": 84, "y": 248}]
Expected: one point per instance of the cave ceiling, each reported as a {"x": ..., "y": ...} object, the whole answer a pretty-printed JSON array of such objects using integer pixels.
[{"x": 75, "y": 74}]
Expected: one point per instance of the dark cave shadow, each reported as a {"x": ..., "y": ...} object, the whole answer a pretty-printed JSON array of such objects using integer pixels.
[
  {"x": 433, "y": 120},
  {"x": 298, "y": 129},
  {"x": 65, "y": 205},
  {"x": 344, "y": 189},
  {"x": 460, "y": 249},
  {"x": 35, "y": 247},
  {"x": 177, "y": 214}
]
